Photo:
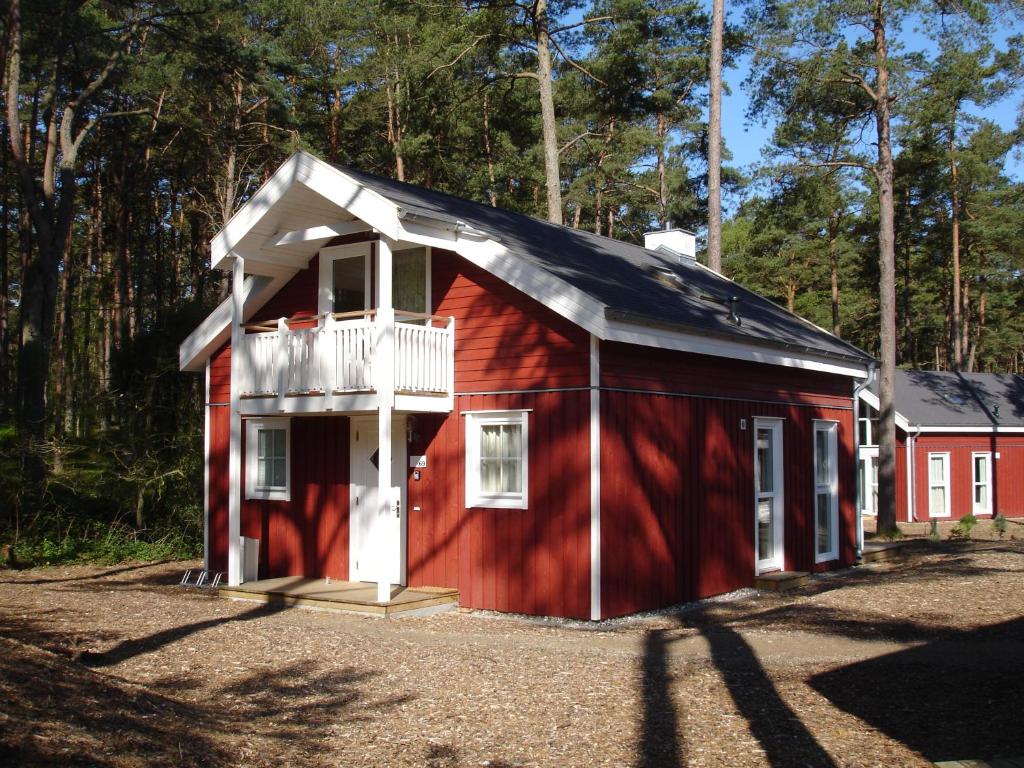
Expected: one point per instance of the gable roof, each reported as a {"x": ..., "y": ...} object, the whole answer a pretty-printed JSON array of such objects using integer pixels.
[
  {"x": 633, "y": 284},
  {"x": 615, "y": 290},
  {"x": 953, "y": 401}
]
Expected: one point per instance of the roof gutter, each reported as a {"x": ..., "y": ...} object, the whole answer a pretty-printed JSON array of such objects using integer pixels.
[
  {"x": 650, "y": 322},
  {"x": 912, "y": 473}
]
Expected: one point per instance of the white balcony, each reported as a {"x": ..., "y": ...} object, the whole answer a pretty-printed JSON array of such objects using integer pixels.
[{"x": 326, "y": 363}]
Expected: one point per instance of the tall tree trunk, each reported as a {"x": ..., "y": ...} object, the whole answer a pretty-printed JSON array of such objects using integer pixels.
[
  {"x": 715, "y": 138},
  {"x": 492, "y": 189},
  {"x": 887, "y": 281},
  {"x": 958, "y": 346},
  {"x": 552, "y": 176},
  {"x": 662, "y": 133},
  {"x": 833, "y": 264}
]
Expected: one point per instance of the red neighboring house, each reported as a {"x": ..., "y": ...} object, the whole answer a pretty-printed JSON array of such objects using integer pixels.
[
  {"x": 410, "y": 388},
  {"x": 959, "y": 446}
]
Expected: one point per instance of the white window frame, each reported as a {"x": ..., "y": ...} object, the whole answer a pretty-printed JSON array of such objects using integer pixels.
[
  {"x": 831, "y": 428},
  {"x": 945, "y": 483},
  {"x": 272, "y": 493},
  {"x": 986, "y": 481},
  {"x": 428, "y": 256},
  {"x": 778, "y": 561},
  {"x": 475, "y": 497},
  {"x": 325, "y": 300}
]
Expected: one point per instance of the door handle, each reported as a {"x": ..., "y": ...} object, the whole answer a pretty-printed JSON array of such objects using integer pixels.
[{"x": 398, "y": 509}]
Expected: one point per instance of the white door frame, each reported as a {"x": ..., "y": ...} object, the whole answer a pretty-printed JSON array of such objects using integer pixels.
[
  {"x": 975, "y": 509},
  {"x": 778, "y": 560},
  {"x": 365, "y": 556}
]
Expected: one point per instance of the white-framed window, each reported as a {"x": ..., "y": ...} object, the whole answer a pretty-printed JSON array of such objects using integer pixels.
[
  {"x": 826, "y": 491},
  {"x": 981, "y": 483},
  {"x": 497, "y": 459},
  {"x": 268, "y": 459},
  {"x": 938, "y": 484},
  {"x": 345, "y": 278}
]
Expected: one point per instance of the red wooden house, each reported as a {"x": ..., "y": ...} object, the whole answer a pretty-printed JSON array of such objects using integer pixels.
[
  {"x": 409, "y": 388},
  {"x": 959, "y": 446}
]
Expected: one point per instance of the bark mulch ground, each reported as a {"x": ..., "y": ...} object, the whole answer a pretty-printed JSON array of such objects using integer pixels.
[{"x": 890, "y": 664}]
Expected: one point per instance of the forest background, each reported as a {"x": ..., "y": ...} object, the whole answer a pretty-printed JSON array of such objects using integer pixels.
[{"x": 132, "y": 131}]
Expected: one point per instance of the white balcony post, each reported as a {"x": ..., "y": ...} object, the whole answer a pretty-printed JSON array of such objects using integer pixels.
[
  {"x": 328, "y": 350},
  {"x": 238, "y": 363},
  {"x": 384, "y": 382},
  {"x": 281, "y": 362}
]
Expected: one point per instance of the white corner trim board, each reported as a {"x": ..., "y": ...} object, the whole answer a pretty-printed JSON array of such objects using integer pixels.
[{"x": 595, "y": 478}]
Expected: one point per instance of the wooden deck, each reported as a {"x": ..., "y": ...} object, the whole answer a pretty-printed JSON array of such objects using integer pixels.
[{"x": 350, "y": 596}]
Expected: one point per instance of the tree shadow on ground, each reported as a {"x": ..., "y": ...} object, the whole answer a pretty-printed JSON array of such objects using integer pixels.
[
  {"x": 59, "y": 712},
  {"x": 955, "y": 698},
  {"x": 100, "y": 574},
  {"x": 660, "y": 741}
]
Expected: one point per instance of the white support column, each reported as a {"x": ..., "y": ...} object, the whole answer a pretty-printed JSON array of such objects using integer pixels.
[
  {"x": 235, "y": 421},
  {"x": 595, "y": 478},
  {"x": 206, "y": 470},
  {"x": 384, "y": 375}
]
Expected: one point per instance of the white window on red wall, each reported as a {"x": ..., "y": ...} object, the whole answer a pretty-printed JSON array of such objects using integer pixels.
[
  {"x": 826, "y": 491},
  {"x": 497, "y": 459},
  {"x": 938, "y": 485},
  {"x": 267, "y": 459}
]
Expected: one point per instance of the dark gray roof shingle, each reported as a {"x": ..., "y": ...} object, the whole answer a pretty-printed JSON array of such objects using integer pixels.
[
  {"x": 628, "y": 280},
  {"x": 953, "y": 399}
]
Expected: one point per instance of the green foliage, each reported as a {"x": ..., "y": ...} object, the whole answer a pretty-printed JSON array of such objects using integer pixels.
[
  {"x": 999, "y": 524},
  {"x": 933, "y": 531},
  {"x": 962, "y": 530}
]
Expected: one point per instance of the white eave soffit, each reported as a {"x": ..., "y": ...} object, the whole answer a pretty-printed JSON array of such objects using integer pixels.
[{"x": 291, "y": 248}]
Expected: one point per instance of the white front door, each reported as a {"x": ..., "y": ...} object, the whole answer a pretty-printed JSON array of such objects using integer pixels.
[
  {"x": 768, "y": 496},
  {"x": 376, "y": 536}
]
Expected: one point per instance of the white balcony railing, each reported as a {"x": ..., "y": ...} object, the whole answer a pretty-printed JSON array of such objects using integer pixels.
[{"x": 336, "y": 356}]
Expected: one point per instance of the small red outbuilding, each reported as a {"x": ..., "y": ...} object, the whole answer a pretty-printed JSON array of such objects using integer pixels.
[
  {"x": 410, "y": 388},
  {"x": 959, "y": 446}
]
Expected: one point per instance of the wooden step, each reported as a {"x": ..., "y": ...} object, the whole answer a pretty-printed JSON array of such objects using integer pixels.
[
  {"x": 345, "y": 596},
  {"x": 879, "y": 551},
  {"x": 781, "y": 581}
]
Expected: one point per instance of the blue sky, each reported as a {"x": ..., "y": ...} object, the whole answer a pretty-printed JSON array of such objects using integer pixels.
[{"x": 745, "y": 140}]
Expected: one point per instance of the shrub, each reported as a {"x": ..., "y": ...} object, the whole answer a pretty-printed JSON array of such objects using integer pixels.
[
  {"x": 962, "y": 530},
  {"x": 933, "y": 531},
  {"x": 999, "y": 524}
]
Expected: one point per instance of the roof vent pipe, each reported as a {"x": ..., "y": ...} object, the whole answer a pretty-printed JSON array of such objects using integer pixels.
[
  {"x": 680, "y": 242},
  {"x": 733, "y": 315}
]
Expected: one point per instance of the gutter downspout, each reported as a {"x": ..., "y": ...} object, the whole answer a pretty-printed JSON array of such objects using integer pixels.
[
  {"x": 858, "y": 501},
  {"x": 912, "y": 474}
]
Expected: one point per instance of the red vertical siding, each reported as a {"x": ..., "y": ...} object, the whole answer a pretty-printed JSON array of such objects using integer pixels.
[
  {"x": 534, "y": 560},
  {"x": 308, "y": 535},
  {"x": 505, "y": 339},
  {"x": 677, "y": 513},
  {"x": 1007, "y": 472}
]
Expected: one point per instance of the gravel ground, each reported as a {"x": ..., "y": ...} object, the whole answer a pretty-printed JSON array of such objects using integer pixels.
[{"x": 889, "y": 664}]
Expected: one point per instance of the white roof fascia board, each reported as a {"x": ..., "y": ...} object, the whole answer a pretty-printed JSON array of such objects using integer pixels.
[
  {"x": 871, "y": 399},
  {"x": 630, "y": 333},
  {"x": 327, "y": 181},
  {"x": 493, "y": 257},
  {"x": 313, "y": 234},
  {"x": 972, "y": 430},
  {"x": 215, "y": 330}
]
